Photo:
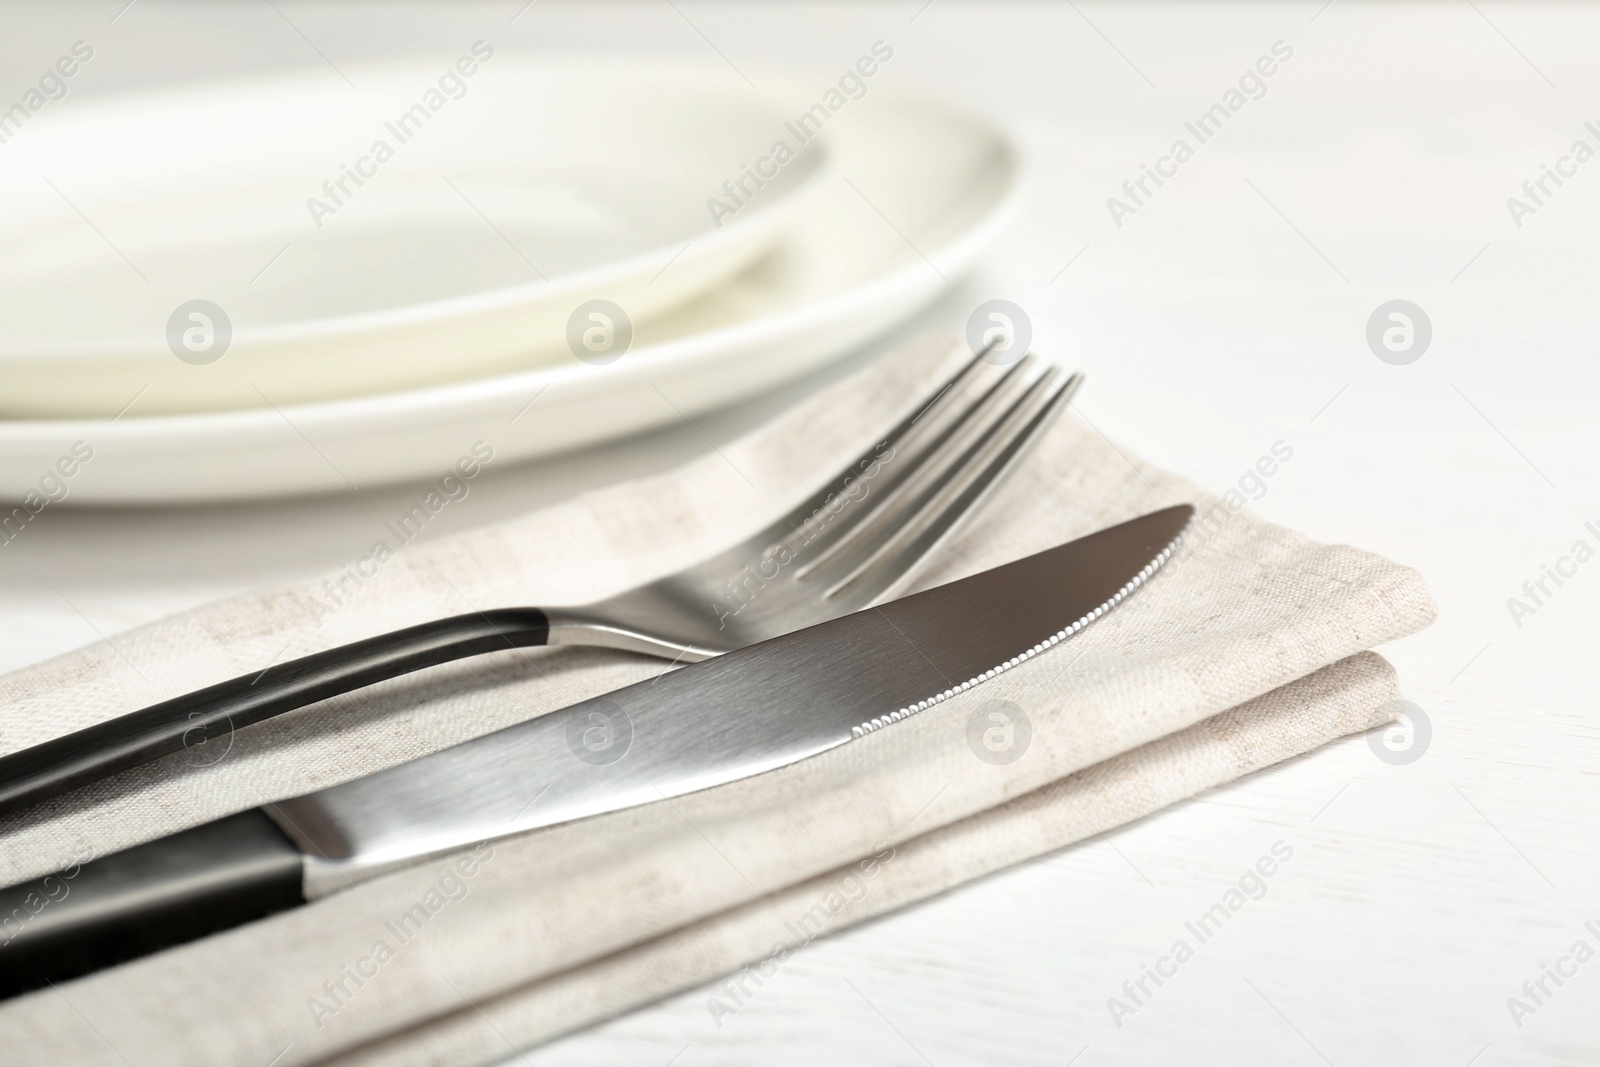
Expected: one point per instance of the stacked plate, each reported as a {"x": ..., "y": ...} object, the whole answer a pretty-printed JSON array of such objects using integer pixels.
[{"x": 293, "y": 286}]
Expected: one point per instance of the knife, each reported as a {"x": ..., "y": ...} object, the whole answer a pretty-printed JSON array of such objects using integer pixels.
[{"x": 743, "y": 713}]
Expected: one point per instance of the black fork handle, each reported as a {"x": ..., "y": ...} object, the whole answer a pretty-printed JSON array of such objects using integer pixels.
[{"x": 105, "y": 748}]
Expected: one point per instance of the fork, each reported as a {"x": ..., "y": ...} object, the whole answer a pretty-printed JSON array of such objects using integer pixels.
[{"x": 856, "y": 541}]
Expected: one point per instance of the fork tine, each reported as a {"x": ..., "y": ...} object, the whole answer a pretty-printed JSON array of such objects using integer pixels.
[
  {"x": 879, "y": 510},
  {"x": 891, "y": 565},
  {"x": 895, "y": 503},
  {"x": 831, "y": 512}
]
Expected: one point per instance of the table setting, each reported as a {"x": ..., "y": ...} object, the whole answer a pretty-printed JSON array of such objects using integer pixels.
[
  {"x": 515, "y": 760},
  {"x": 1284, "y": 687}
]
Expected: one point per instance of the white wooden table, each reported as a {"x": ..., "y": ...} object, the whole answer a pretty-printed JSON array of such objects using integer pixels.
[{"x": 1227, "y": 312}]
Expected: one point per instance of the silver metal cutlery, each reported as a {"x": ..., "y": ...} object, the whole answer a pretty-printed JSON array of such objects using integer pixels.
[
  {"x": 856, "y": 541},
  {"x": 749, "y": 711}
]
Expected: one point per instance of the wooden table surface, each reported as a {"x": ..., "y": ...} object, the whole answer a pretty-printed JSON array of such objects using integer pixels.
[{"x": 1218, "y": 313}]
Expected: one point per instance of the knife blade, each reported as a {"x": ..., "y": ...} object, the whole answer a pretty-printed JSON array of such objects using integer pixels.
[{"x": 741, "y": 714}]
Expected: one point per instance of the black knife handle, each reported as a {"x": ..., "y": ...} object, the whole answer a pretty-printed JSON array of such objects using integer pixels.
[
  {"x": 105, "y": 748},
  {"x": 145, "y": 899}
]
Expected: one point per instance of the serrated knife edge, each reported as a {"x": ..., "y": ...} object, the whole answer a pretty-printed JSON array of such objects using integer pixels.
[{"x": 1111, "y": 602}]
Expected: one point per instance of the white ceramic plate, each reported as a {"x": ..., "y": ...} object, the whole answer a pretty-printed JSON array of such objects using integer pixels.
[
  {"x": 358, "y": 242},
  {"x": 922, "y": 187}
]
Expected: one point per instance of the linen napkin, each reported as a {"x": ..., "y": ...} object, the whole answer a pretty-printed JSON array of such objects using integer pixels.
[
  {"x": 753, "y": 943},
  {"x": 556, "y": 928}
]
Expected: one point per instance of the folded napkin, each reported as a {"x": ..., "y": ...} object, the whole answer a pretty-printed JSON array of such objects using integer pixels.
[{"x": 1247, "y": 649}]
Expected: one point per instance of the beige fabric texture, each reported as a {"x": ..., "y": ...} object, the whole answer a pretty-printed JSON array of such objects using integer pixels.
[
  {"x": 762, "y": 937},
  {"x": 571, "y": 924}
]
